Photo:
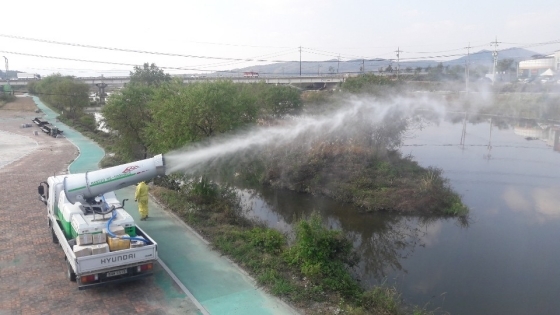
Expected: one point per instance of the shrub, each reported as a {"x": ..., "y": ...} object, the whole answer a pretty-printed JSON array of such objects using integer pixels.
[
  {"x": 322, "y": 255},
  {"x": 269, "y": 240},
  {"x": 88, "y": 122}
]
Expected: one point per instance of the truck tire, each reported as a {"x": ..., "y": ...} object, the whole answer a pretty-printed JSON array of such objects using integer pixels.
[
  {"x": 70, "y": 274},
  {"x": 54, "y": 238}
]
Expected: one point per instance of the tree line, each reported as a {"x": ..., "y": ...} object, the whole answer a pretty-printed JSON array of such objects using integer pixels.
[
  {"x": 66, "y": 95},
  {"x": 156, "y": 113}
]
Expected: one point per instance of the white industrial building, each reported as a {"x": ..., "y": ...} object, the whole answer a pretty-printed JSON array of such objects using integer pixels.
[{"x": 547, "y": 65}]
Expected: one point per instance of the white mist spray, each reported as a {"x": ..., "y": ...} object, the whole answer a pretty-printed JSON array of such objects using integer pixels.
[{"x": 192, "y": 158}]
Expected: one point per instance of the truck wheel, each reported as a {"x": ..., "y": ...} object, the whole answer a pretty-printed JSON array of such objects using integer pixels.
[
  {"x": 70, "y": 274},
  {"x": 54, "y": 238}
]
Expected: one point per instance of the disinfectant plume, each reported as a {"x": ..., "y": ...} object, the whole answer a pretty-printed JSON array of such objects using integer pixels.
[{"x": 354, "y": 112}]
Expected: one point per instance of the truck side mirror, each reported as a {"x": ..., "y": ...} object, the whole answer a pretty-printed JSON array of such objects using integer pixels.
[{"x": 41, "y": 190}]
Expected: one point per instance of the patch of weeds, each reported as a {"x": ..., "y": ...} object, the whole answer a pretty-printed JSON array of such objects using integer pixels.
[
  {"x": 283, "y": 287},
  {"x": 381, "y": 300},
  {"x": 457, "y": 208}
]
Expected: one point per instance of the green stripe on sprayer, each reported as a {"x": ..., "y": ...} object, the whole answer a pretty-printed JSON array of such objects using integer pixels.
[
  {"x": 77, "y": 188},
  {"x": 104, "y": 182}
]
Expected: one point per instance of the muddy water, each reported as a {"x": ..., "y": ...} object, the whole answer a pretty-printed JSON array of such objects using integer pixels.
[{"x": 504, "y": 260}]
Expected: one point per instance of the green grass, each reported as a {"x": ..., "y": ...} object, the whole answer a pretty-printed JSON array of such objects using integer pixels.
[{"x": 311, "y": 273}]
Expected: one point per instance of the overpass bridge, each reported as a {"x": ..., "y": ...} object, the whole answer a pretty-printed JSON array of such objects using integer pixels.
[{"x": 304, "y": 82}]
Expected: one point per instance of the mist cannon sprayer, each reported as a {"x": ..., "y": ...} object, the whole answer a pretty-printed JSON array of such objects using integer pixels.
[{"x": 85, "y": 187}]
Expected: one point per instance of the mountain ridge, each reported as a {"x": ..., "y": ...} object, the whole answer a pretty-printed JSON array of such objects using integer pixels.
[{"x": 480, "y": 58}]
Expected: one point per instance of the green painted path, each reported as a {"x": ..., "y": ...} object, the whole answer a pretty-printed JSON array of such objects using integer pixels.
[{"x": 215, "y": 284}]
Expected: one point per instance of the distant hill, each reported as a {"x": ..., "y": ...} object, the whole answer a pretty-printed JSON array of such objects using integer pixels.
[{"x": 483, "y": 57}]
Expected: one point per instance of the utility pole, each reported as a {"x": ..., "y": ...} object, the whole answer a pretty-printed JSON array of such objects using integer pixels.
[
  {"x": 363, "y": 66},
  {"x": 338, "y": 64},
  {"x": 398, "y": 60},
  {"x": 467, "y": 69},
  {"x": 7, "y": 76},
  {"x": 495, "y": 55},
  {"x": 300, "y": 61}
]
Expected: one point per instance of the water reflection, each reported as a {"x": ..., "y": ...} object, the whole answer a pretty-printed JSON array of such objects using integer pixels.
[
  {"x": 381, "y": 240},
  {"x": 530, "y": 129},
  {"x": 538, "y": 204}
]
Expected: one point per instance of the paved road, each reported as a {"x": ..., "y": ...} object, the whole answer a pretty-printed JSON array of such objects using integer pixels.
[{"x": 32, "y": 268}]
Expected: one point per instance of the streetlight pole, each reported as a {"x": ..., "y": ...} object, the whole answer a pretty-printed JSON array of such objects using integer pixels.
[{"x": 7, "y": 68}]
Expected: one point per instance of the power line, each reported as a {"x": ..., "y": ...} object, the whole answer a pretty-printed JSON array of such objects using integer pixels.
[
  {"x": 107, "y": 62},
  {"x": 227, "y": 63},
  {"x": 121, "y": 64},
  {"x": 328, "y": 53},
  {"x": 441, "y": 51},
  {"x": 231, "y": 61},
  {"x": 134, "y": 50}
]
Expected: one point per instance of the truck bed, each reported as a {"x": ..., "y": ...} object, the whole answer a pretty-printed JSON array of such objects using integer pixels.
[
  {"x": 117, "y": 259},
  {"x": 107, "y": 262}
]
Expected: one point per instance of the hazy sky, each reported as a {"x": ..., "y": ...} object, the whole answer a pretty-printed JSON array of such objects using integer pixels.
[{"x": 262, "y": 29}]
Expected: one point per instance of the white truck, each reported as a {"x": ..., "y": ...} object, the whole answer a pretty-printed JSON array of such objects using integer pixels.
[
  {"x": 101, "y": 242},
  {"x": 27, "y": 76}
]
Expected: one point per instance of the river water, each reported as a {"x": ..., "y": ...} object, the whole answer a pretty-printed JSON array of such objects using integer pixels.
[{"x": 503, "y": 260}]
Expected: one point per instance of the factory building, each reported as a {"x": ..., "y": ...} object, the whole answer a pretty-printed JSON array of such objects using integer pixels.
[{"x": 545, "y": 65}]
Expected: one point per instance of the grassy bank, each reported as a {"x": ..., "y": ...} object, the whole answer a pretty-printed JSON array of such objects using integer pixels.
[{"x": 311, "y": 272}]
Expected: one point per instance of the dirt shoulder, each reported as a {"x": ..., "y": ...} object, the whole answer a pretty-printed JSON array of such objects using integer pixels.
[{"x": 22, "y": 104}]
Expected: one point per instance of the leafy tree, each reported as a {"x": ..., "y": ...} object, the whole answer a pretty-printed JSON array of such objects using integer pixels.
[
  {"x": 505, "y": 65},
  {"x": 478, "y": 72},
  {"x": 63, "y": 93},
  {"x": 389, "y": 69},
  {"x": 276, "y": 101},
  {"x": 439, "y": 68},
  {"x": 365, "y": 83},
  {"x": 33, "y": 87},
  {"x": 186, "y": 114},
  {"x": 128, "y": 114},
  {"x": 456, "y": 72},
  {"x": 71, "y": 97},
  {"x": 436, "y": 73},
  {"x": 149, "y": 74},
  {"x": 417, "y": 70}
]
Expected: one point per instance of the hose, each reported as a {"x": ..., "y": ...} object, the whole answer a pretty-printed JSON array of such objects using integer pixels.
[{"x": 122, "y": 237}]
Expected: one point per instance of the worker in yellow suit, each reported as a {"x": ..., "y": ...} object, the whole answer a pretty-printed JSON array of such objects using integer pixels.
[{"x": 141, "y": 196}]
